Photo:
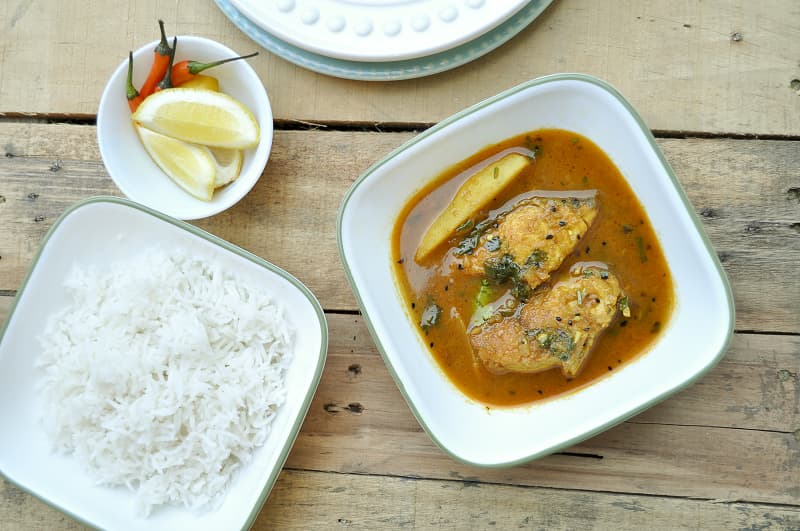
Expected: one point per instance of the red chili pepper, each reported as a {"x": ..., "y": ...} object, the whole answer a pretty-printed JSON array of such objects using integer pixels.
[
  {"x": 186, "y": 70},
  {"x": 161, "y": 64},
  {"x": 167, "y": 81},
  {"x": 134, "y": 98}
]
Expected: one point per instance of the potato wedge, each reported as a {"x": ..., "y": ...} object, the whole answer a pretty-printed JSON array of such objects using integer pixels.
[{"x": 474, "y": 194}]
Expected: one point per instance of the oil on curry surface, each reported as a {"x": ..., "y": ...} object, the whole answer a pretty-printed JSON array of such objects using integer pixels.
[{"x": 531, "y": 269}]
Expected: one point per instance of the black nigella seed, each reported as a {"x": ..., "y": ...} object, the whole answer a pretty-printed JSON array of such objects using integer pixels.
[
  {"x": 413, "y": 305},
  {"x": 586, "y": 329},
  {"x": 548, "y": 237},
  {"x": 562, "y": 223},
  {"x": 540, "y": 392},
  {"x": 579, "y": 236},
  {"x": 431, "y": 344},
  {"x": 569, "y": 322},
  {"x": 446, "y": 287},
  {"x": 604, "y": 243},
  {"x": 460, "y": 266},
  {"x": 624, "y": 323},
  {"x": 558, "y": 319},
  {"x": 610, "y": 368}
]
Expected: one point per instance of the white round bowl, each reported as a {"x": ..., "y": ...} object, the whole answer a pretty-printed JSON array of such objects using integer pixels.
[{"x": 132, "y": 169}]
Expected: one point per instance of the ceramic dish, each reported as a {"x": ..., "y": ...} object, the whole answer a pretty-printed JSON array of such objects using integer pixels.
[
  {"x": 392, "y": 70},
  {"x": 377, "y": 30},
  {"x": 132, "y": 169},
  {"x": 694, "y": 340},
  {"x": 96, "y": 233}
]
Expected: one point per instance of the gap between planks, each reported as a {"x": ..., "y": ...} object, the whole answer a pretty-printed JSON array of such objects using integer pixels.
[
  {"x": 690, "y": 425},
  {"x": 537, "y": 487},
  {"x": 371, "y": 127},
  {"x": 319, "y": 500}
]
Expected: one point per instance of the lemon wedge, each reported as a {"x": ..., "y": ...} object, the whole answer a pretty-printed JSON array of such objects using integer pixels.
[
  {"x": 202, "y": 82},
  {"x": 199, "y": 116},
  {"x": 190, "y": 166},
  {"x": 228, "y": 164}
]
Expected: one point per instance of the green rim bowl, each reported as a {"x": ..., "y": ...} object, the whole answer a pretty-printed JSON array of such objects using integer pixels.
[
  {"x": 694, "y": 340},
  {"x": 95, "y": 233}
]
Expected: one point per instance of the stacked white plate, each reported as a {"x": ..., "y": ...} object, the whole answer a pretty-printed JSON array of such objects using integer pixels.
[{"x": 381, "y": 40}]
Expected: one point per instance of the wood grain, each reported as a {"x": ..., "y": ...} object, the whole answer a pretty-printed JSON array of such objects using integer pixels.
[
  {"x": 746, "y": 191},
  {"x": 359, "y": 423},
  {"x": 305, "y": 500},
  {"x": 716, "y": 66},
  {"x": 315, "y": 500},
  {"x": 722, "y": 454},
  {"x": 756, "y": 385}
]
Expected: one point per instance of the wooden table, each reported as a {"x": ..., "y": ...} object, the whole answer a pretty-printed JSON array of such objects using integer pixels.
[{"x": 719, "y": 83}]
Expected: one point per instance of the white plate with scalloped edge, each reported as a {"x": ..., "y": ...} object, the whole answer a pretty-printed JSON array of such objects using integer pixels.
[{"x": 378, "y": 30}]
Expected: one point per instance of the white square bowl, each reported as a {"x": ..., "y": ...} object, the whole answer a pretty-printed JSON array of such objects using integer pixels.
[
  {"x": 98, "y": 232},
  {"x": 695, "y": 339}
]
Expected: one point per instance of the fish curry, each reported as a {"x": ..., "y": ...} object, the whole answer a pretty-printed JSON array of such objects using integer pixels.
[{"x": 531, "y": 269}]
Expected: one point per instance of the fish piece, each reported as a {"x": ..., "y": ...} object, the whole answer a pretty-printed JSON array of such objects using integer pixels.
[
  {"x": 531, "y": 240},
  {"x": 556, "y": 329}
]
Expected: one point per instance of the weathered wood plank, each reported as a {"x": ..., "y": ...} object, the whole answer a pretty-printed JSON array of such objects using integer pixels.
[
  {"x": 22, "y": 511},
  {"x": 318, "y": 500},
  {"x": 359, "y": 423},
  {"x": 756, "y": 386},
  {"x": 746, "y": 191},
  {"x": 713, "y": 66},
  {"x": 392, "y": 503},
  {"x": 290, "y": 187},
  {"x": 698, "y": 462}
]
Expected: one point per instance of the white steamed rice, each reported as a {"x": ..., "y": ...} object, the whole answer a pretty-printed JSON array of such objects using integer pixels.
[{"x": 163, "y": 374}]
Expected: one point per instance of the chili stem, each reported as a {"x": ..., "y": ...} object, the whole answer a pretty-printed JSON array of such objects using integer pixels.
[
  {"x": 186, "y": 70},
  {"x": 161, "y": 56},
  {"x": 134, "y": 98},
  {"x": 196, "y": 67}
]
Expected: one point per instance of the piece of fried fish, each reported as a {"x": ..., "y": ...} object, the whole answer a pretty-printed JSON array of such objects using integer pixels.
[
  {"x": 556, "y": 328},
  {"x": 529, "y": 242}
]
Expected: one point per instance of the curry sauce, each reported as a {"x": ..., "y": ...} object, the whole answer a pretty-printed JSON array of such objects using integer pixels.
[{"x": 621, "y": 238}]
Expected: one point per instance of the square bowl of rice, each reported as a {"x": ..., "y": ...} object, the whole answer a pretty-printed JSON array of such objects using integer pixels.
[{"x": 152, "y": 375}]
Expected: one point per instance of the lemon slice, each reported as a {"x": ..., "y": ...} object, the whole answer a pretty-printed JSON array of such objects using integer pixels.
[
  {"x": 191, "y": 167},
  {"x": 199, "y": 116},
  {"x": 228, "y": 163}
]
